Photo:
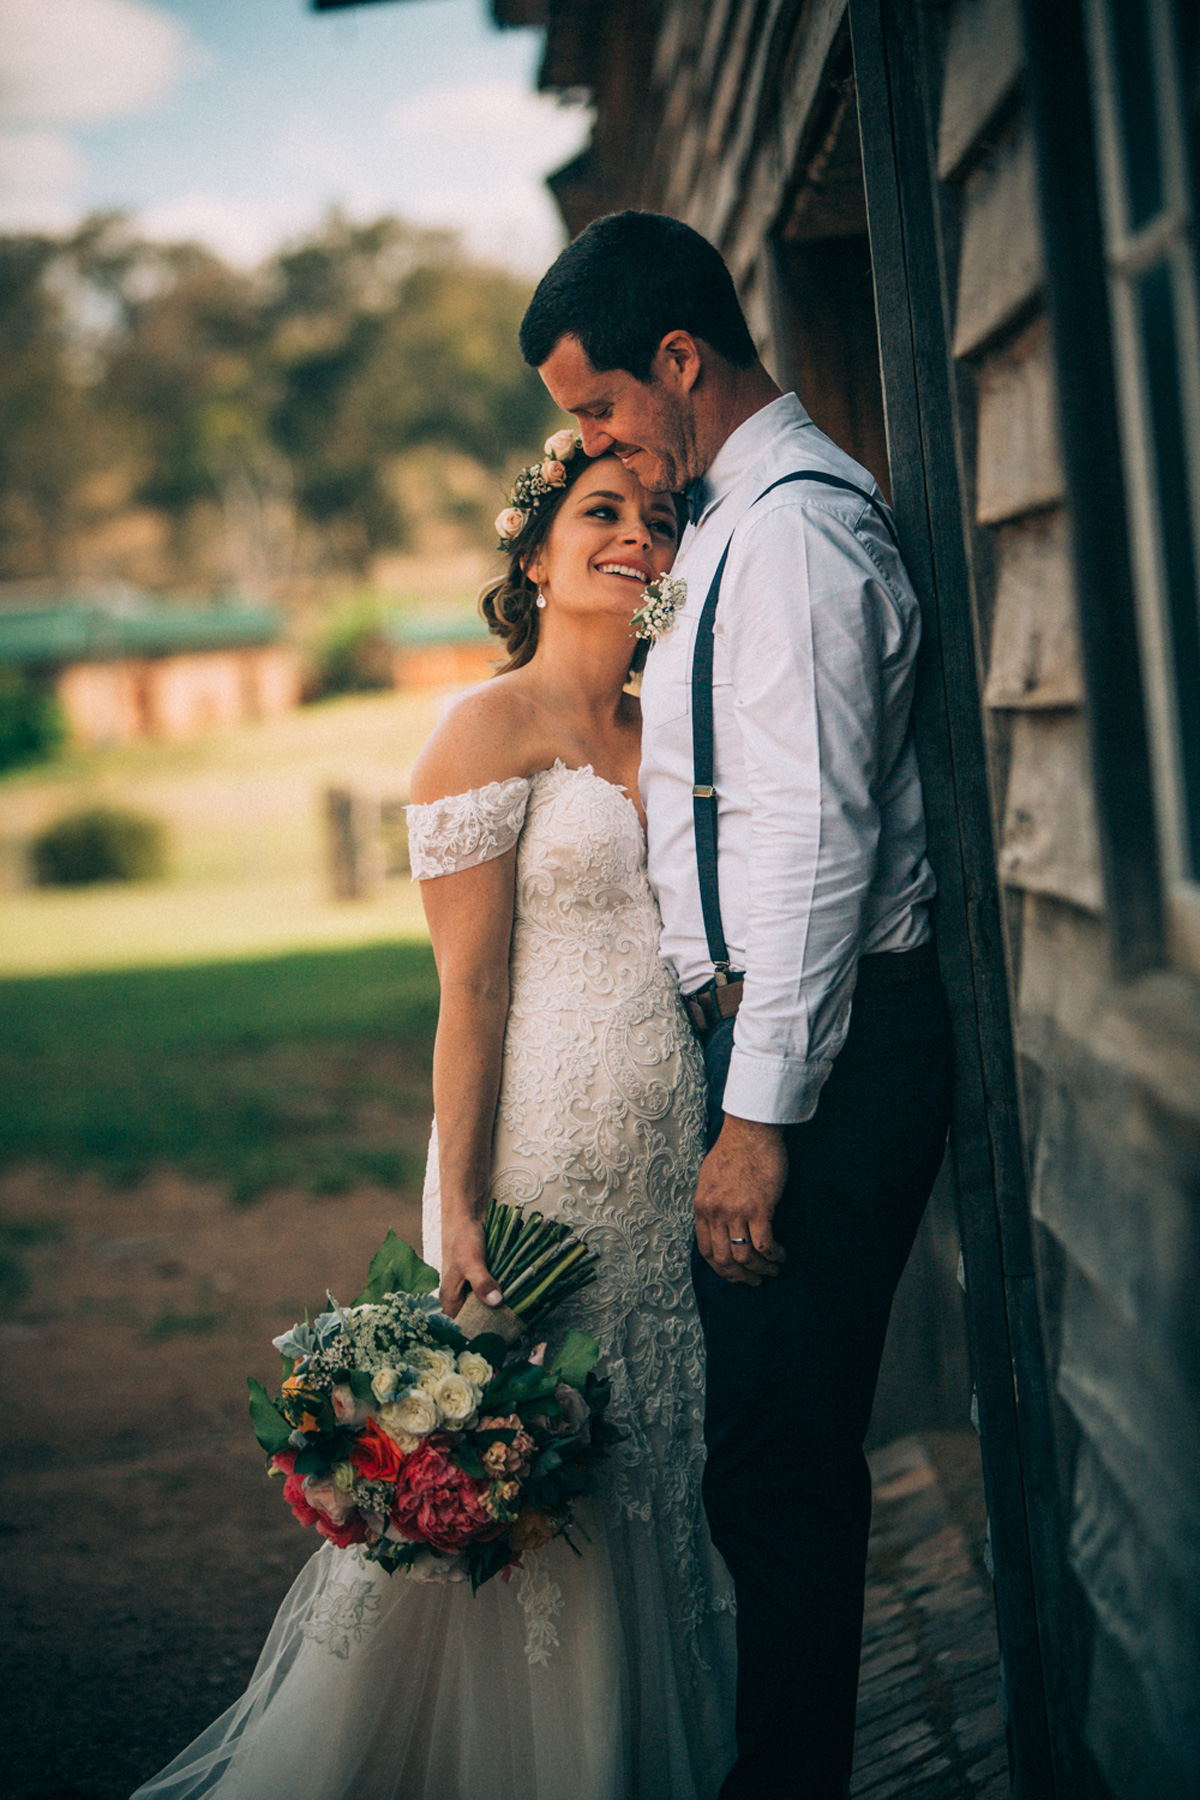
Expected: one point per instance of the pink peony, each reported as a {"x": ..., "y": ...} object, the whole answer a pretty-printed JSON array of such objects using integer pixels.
[{"x": 437, "y": 1503}]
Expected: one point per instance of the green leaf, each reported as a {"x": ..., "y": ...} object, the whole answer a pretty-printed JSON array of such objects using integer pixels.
[
  {"x": 312, "y": 1461},
  {"x": 469, "y": 1463},
  {"x": 573, "y": 1360},
  {"x": 486, "y": 1560},
  {"x": 360, "y": 1384},
  {"x": 490, "y": 1345},
  {"x": 396, "y": 1268},
  {"x": 289, "y": 1367},
  {"x": 270, "y": 1427},
  {"x": 548, "y": 1460}
]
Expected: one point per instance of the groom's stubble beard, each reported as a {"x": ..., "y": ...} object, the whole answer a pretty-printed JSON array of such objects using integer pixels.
[{"x": 677, "y": 453}]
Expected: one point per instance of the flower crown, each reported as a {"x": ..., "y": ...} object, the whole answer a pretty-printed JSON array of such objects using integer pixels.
[{"x": 535, "y": 484}]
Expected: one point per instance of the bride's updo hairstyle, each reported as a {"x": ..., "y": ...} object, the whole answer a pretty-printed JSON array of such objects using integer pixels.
[{"x": 509, "y": 602}]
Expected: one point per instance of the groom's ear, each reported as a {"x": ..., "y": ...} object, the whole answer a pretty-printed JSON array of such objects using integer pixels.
[{"x": 678, "y": 362}]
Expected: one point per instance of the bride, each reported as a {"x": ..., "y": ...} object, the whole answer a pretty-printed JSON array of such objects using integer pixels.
[{"x": 565, "y": 1077}]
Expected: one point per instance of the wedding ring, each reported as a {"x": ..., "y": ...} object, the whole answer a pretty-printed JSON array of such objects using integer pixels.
[{"x": 739, "y": 1240}]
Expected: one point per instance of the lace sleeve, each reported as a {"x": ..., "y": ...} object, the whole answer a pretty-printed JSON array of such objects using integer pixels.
[{"x": 466, "y": 829}]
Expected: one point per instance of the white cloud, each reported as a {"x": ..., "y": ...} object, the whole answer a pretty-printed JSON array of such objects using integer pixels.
[
  {"x": 39, "y": 163},
  {"x": 524, "y": 128},
  {"x": 78, "y": 62},
  {"x": 242, "y": 231}
]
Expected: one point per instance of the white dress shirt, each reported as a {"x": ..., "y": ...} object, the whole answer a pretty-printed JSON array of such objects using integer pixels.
[{"x": 821, "y": 827}]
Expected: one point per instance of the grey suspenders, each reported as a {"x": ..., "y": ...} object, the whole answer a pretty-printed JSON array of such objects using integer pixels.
[{"x": 704, "y": 798}]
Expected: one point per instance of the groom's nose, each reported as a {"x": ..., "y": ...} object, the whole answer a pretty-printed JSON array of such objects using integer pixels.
[{"x": 595, "y": 439}]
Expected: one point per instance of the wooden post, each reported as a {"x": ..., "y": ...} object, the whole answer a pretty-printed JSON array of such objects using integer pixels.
[{"x": 347, "y": 849}]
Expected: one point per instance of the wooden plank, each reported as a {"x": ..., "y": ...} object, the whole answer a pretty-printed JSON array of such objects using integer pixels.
[
  {"x": 1049, "y": 843},
  {"x": 1019, "y": 462},
  {"x": 982, "y": 67},
  {"x": 1035, "y": 637},
  {"x": 1000, "y": 261},
  {"x": 1078, "y": 303}
]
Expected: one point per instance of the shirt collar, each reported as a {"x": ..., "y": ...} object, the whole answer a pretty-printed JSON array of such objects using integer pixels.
[{"x": 744, "y": 448}]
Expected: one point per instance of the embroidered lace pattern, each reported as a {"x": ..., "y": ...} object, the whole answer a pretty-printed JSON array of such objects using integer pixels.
[
  {"x": 465, "y": 829},
  {"x": 599, "y": 1123},
  {"x": 345, "y": 1609}
]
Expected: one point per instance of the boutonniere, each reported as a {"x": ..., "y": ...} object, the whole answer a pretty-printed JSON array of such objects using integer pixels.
[{"x": 661, "y": 600}]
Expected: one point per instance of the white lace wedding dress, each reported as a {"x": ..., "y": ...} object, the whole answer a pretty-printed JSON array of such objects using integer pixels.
[{"x": 604, "y": 1676}]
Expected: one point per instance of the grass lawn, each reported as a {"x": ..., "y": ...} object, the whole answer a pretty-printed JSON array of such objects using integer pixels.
[{"x": 308, "y": 1070}]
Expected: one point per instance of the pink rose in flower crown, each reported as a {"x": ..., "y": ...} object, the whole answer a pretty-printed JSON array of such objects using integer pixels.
[
  {"x": 554, "y": 473},
  {"x": 438, "y": 1503}
]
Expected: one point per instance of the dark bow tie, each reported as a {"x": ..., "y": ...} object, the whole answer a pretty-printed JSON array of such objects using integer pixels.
[{"x": 696, "y": 496}]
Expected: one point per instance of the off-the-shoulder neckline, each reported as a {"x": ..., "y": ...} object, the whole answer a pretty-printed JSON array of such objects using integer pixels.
[{"x": 558, "y": 766}]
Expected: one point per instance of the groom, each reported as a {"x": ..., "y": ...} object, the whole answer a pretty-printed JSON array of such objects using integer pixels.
[{"x": 787, "y": 851}]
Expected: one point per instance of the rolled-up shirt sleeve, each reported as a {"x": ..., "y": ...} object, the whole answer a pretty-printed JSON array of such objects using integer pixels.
[{"x": 812, "y": 659}]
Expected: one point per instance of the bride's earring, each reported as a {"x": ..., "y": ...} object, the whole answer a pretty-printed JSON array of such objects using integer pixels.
[{"x": 541, "y": 601}]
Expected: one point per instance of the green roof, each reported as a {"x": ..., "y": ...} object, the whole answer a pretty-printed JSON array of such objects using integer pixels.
[
  {"x": 405, "y": 631},
  {"x": 76, "y": 632}
]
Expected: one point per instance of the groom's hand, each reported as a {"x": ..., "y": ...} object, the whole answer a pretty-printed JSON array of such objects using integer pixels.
[{"x": 740, "y": 1182}]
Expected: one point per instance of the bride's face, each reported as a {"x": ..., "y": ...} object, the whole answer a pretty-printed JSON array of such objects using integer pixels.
[{"x": 609, "y": 538}]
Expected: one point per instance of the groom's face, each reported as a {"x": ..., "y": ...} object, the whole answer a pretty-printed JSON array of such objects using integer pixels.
[{"x": 648, "y": 425}]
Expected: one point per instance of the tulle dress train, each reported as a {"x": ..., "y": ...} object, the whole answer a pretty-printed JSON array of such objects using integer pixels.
[{"x": 605, "y": 1675}]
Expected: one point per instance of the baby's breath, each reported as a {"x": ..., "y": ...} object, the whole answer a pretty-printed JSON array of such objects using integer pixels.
[{"x": 661, "y": 600}]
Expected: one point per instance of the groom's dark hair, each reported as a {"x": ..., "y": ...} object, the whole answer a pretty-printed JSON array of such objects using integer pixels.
[{"x": 627, "y": 281}]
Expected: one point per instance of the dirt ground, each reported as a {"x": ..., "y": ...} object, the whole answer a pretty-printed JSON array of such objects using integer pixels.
[{"x": 142, "y": 1551}]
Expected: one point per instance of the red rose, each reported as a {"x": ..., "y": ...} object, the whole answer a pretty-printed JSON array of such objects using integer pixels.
[
  {"x": 293, "y": 1488},
  {"x": 376, "y": 1457},
  {"x": 437, "y": 1503},
  {"x": 354, "y": 1532}
]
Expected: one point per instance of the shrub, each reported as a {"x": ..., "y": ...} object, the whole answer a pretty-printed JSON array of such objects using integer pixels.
[
  {"x": 350, "y": 656},
  {"x": 31, "y": 724},
  {"x": 101, "y": 843}
]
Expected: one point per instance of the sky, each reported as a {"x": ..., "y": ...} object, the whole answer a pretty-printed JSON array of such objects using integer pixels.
[{"x": 240, "y": 122}]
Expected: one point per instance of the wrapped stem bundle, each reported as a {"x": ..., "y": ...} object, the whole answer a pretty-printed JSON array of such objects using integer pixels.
[{"x": 537, "y": 1263}]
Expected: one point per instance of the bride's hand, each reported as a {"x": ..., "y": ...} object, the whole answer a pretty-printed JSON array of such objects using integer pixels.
[{"x": 463, "y": 1265}]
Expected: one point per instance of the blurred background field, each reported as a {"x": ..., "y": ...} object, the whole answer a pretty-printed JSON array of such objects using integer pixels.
[{"x": 246, "y": 851}]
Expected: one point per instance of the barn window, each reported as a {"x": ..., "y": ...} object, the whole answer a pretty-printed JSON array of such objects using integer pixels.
[{"x": 1144, "y": 69}]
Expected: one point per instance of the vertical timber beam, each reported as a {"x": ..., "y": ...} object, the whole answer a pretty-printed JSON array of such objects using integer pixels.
[{"x": 1020, "y": 1476}]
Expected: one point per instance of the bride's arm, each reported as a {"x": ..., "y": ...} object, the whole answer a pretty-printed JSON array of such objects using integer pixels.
[{"x": 470, "y": 922}]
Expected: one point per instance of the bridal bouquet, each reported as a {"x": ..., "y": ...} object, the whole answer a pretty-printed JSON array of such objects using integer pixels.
[{"x": 441, "y": 1447}]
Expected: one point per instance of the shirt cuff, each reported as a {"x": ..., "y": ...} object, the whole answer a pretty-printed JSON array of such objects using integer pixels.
[{"x": 773, "y": 1090}]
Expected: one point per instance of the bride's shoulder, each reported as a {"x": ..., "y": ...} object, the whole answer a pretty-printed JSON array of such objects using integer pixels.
[{"x": 483, "y": 738}]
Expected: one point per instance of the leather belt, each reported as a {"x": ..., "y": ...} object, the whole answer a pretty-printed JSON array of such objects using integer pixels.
[{"x": 877, "y": 973}]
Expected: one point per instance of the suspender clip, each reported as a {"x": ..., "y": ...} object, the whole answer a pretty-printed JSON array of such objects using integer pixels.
[{"x": 702, "y": 793}]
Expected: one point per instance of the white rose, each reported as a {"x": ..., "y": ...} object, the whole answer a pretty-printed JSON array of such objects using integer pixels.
[
  {"x": 385, "y": 1384},
  {"x": 417, "y": 1413},
  {"x": 562, "y": 444},
  {"x": 509, "y": 522},
  {"x": 475, "y": 1368},
  {"x": 433, "y": 1362},
  {"x": 407, "y": 1441},
  {"x": 456, "y": 1400}
]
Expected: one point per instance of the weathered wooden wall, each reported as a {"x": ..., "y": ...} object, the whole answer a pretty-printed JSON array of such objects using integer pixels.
[
  {"x": 1110, "y": 1070},
  {"x": 732, "y": 114}
]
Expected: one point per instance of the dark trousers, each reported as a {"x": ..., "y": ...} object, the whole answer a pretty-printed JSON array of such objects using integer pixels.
[{"x": 792, "y": 1367}]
